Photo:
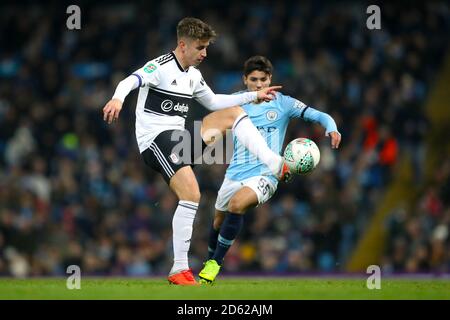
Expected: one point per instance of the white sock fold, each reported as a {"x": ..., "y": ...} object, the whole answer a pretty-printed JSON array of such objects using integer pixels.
[
  {"x": 251, "y": 138},
  {"x": 182, "y": 225}
]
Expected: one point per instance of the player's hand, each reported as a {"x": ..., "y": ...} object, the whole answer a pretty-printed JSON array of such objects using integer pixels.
[
  {"x": 111, "y": 110},
  {"x": 335, "y": 139},
  {"x": 268, "y": 93}
]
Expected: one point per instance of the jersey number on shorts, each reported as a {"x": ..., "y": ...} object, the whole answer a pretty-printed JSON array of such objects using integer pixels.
[{"x": 263, "y": 186}]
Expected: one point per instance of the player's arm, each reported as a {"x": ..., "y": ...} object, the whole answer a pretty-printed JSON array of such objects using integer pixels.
[
  {"x": 206, "y": 97},
  {"x": 112, "y": 108},
  {"x": 146, "y": 74},
  {"x": 307, "y": 113}
]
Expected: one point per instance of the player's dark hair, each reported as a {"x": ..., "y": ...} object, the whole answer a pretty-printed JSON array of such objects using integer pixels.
[
  {"x": 195, "y": 29},
  {"x": 258, "y": 63}
]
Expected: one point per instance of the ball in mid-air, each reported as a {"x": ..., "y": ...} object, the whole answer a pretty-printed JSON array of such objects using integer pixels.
[{"x": 302, "y": 155}]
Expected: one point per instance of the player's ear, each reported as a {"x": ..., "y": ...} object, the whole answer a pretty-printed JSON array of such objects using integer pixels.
[
  {"x": 244, "y": 79},
  {"x": 182, "y": 44}
]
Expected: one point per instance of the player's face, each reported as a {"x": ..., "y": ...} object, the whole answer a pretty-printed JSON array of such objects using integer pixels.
[
  {"x": 257, "y": 80},
  {"x": 195, "y": 51}
]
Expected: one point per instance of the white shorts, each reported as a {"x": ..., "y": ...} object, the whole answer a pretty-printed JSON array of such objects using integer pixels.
[{"x": 263, "y": 187}]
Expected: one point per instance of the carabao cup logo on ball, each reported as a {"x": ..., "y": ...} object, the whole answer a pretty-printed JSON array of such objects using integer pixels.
[
  {"x": 306, "y": 164},
  {"x": 302, "y": 155}
]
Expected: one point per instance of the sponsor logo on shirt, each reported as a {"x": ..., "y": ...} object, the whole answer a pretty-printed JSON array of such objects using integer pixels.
[
  {"x": 167, "y": 106},
  {"x": 181, "y": 107}
]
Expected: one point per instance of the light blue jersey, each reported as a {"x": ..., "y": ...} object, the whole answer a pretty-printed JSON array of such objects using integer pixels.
[{"x": 271, "y": 118}]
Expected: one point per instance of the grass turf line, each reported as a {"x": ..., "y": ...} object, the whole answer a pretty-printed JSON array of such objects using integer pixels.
[{"x": 230, "y": 288}]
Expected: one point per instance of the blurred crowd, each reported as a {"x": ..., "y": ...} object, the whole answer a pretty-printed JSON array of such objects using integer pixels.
[
  {"x": 74, "y": 190},
  {"x": 419, "y": 241}
]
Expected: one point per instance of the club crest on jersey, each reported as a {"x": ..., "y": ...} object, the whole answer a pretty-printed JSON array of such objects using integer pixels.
[
  {"x": 271, "y": 115},
  {"x": 174, "y": 158}
]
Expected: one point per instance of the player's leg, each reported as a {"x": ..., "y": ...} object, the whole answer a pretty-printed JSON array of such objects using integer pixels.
[
  {"x": 231, "y": 204},
  {"x": 182, "y": 182},
  {"x": 224, "y": 230},
  {"x": 233, "y": 200},
  {"x": 185, "y": 186},
  {"x": 219, "y": 217},
  {"x": 227, "y": 190},
  {"x": 241, "y": 201},
  {"x": 215, "y": 124}
]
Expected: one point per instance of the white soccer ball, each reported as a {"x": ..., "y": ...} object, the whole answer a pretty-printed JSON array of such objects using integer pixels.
[{"x": 302, "y": 155}]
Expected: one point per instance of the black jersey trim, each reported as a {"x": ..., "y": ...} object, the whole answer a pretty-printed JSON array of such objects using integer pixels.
[
  {"x": 171, "y": 92},
  {"x": 178, "y": 63},
  {"x": 303, "y": 112},
  {"x": 164, "y": 57},
  {"x": 159, "y": 114},
  {"x": 165, "y": 61},
  {"x": 242, "y": 118},
  {"x": 139, "y": 77}
]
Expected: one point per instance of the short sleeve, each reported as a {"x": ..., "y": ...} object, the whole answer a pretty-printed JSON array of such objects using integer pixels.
[{"x": 149, "y": 74}]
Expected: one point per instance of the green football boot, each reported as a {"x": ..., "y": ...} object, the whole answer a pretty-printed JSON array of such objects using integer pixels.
[{"x": 209, "y": 272}]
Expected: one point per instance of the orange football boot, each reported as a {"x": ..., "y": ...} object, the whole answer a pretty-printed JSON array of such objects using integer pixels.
[
  {"x": 183, "y": 278},
  {"x": 285, "y": 173}
]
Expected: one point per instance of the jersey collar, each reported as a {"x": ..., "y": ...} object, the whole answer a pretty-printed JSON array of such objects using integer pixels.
[{"x": 178, "y": 63}]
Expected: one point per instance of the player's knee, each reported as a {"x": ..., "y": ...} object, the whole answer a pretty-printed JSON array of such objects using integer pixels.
[
  {"x": 189, "y": 192},
  {"x": 235, "y": 112},
  {"x": 211, "y": 135},
  {"x": 218, "y": 222},
  {"x": 192, "y": 195},
  {"x": 235, "y": 206}
]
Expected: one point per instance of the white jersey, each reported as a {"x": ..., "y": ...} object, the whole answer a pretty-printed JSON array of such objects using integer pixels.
[{"x": 165, "y": 96}]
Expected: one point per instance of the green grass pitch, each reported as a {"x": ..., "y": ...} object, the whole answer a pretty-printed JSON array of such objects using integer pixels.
[{"x": 226, "y": 288}]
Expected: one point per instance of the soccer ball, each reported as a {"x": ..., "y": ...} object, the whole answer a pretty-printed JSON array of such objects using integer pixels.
[{"x": 302, "y": 155}]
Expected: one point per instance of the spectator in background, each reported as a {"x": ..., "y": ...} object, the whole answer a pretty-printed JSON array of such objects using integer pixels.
[{"x": 77, "y": 208}]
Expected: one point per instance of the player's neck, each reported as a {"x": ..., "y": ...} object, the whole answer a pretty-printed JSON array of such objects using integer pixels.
[{"x": 179, "y": 56}]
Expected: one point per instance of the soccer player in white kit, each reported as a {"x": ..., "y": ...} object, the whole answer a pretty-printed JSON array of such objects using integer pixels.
[{"x": 167, "y": 86}]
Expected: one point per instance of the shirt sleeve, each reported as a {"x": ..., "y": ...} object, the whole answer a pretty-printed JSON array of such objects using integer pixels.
[
  {"x": 300, "y": 110},
  {"x": 149, "y": 74},
  {"x": 124, "y": 87},
  {"x": 206, "y": 97}
]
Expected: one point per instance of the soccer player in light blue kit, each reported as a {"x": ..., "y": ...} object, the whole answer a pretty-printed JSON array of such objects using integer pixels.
[{"x": 248, "y": 182}]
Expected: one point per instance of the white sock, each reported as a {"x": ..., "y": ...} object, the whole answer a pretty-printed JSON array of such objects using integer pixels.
[
  {"x": 182, "y": 223},
  {"x": 251, "y": 138}
]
